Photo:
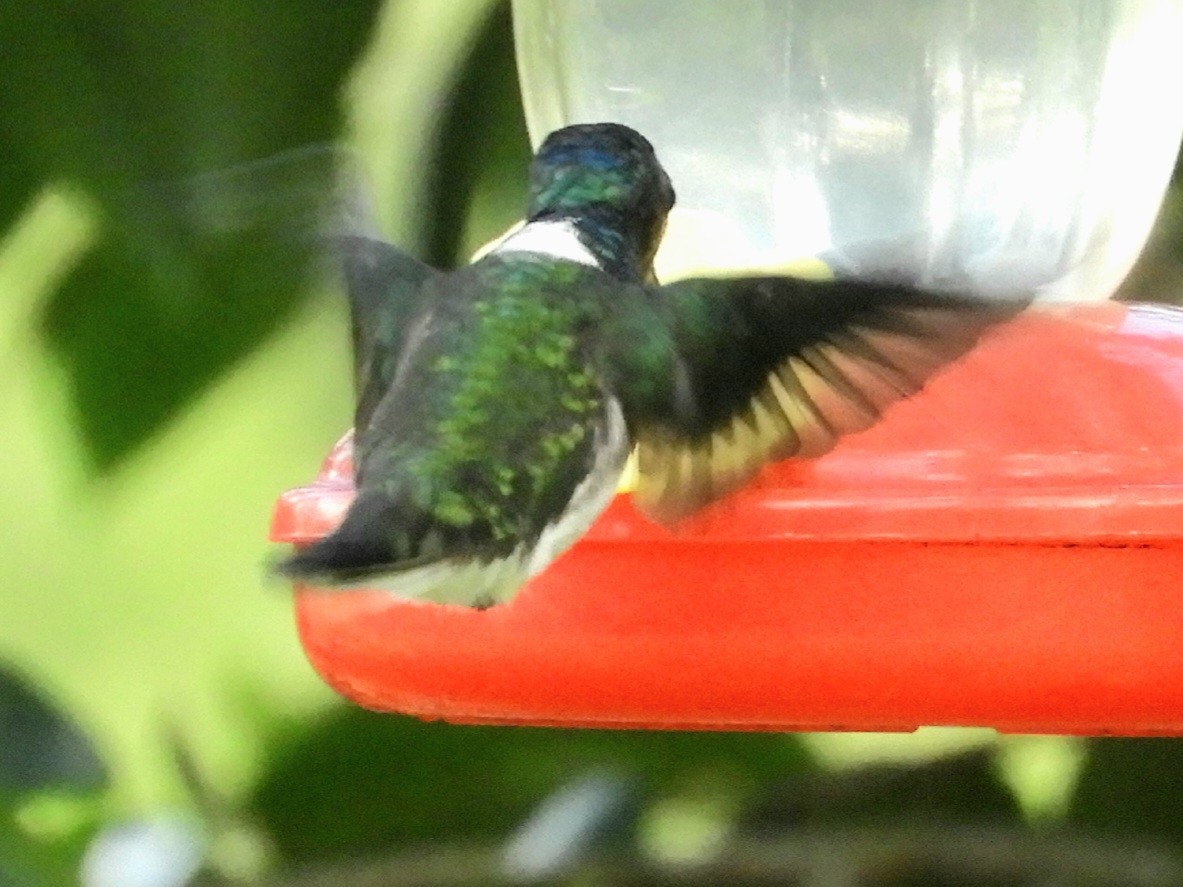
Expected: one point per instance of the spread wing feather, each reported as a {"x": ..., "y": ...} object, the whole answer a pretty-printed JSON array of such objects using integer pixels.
[{"x": 724, "y": 375}]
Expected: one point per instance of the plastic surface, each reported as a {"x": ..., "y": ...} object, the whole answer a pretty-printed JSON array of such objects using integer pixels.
[
  {"x": 971, "y": 143},
  {"x": 1003, "y": 550}
]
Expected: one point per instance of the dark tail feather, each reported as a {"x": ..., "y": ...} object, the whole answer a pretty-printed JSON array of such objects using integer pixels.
[{"x": 363, "y": 545}]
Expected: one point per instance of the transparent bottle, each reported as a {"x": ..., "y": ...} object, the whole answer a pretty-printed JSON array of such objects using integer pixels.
[{"x": 989, "y": 144}]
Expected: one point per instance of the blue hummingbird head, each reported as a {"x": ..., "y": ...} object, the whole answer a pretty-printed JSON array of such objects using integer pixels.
[{"x": 606, "y": 173}]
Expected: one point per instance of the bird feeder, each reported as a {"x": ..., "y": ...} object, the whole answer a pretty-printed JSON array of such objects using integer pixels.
[{"x": 1002, "y": 549}]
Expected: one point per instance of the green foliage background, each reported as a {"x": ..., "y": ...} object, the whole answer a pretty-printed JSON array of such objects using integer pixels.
[{"x": 159, "y": 388}]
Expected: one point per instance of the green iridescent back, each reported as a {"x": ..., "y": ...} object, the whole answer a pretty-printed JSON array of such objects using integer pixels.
[{"x": 504, "y": 415}]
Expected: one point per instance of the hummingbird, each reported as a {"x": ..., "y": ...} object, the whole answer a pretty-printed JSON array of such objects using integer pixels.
[{"x": 497, "y": 403}]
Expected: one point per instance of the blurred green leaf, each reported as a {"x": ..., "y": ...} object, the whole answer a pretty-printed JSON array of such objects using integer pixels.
[
  {"x": 40, "y": 747},
  {"x": 361, "y": 783},
  {"x": 1131, "y": 787},
  {"x": 961, "y": 788},
  {"x": 18, "y": 185},
  {"x": 115, "y": 95},
  {"x": 33, "y": 856},
  {"x": 119, "y": 98}
]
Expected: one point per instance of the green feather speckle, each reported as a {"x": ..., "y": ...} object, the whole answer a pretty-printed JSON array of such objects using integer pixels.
[{"x": 514, "y": 417}]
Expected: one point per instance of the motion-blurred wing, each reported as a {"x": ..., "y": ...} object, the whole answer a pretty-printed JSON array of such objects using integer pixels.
[
  {"x": 306, "y": 213},
  {"x": 721, "y": 376}
]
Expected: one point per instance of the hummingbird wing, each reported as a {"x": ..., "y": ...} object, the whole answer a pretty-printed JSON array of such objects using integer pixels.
[
  {"x": 384, "y": 284},
  {"x": 719, "y": 376},
  {"x": 307, "y": 213}
]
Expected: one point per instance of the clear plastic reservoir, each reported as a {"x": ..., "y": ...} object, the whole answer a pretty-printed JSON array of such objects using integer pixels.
[{"x": 991, "y": 144}]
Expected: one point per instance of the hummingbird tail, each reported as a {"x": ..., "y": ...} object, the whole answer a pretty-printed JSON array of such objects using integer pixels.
[
  {"x": 363, "y": 545},
  {"x": 382, "y": 544}
]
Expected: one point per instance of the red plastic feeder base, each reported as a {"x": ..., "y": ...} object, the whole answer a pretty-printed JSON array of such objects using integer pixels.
[{"x": 1002, "y": 550}]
